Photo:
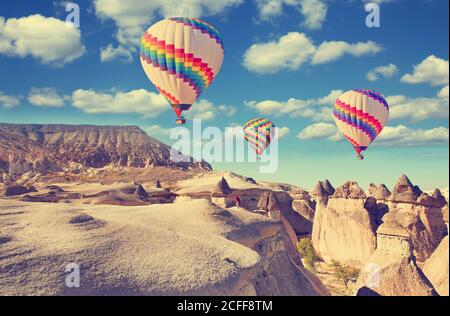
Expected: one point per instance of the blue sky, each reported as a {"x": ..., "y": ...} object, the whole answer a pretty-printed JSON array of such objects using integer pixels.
[{"x": 313, "y": 51}]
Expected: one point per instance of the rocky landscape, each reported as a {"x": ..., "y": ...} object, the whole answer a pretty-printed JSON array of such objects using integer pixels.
[{"x": 110, "y": 200}]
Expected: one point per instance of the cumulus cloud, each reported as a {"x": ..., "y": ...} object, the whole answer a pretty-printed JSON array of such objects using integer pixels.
[
  {"x": 399, "y": 136},
  {"x": 111, "y": 53},
  {"x": 45, "y": 97},
  {"x": 387, "y": 71},
  {"x": 319, "y": 131},
  {"x": 133, "y": 16},
  {"x": 293, "y": 50},
  {"x": 158, "y": 131},
  {"x": 403, "y": 136},
  {"x": 47, "y": 39},
  {"x": 136, "y": 101},
  {"x": 316, "y": 109},
  {"x": 283, "y": 132},
  {"x": 432, "y": 70},
  {"x": 313, "y": 11},
  {"x": 290, "y": 52},
  {"x": 333, "y": 50},
  {"x": 206, "y": 111},
  {"x": 443, "y": 93},
  {"x": 9, "y": 101},
  {"x": 419, "y": 109},
  {"x": 141, "y": 101}
]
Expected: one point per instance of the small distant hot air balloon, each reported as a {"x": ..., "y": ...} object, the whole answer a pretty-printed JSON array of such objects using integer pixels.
[
  {"x": 361, "y": 115},
  {"x": 181, "y": 57},
  {"x": 259, "y": 133}
]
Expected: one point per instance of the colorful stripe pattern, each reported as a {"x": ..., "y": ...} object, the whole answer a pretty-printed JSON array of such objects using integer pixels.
[
  {"x": 202, "y": 26},
  {"x": 361, "y": 115},
  {"x": 176, "y": 62},
  {"x": 358, "y": 119},
  {"x": 181, "y": 57},
  {"x": 374, "y": 95},
  {"x": 258, "y": 133}
]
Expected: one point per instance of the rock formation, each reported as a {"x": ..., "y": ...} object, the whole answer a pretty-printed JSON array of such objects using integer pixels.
[
  {"x": 405, "y": 192},
  {"x": 158, "y": 184},
  {"x": 440, "y": 198},
  {"x": 13, "y": 190},
  {"x": 322, "y": 191},
  {"x": 420, "y": 214},
  {"x": 44, "y": 149},
  {"x": 303, "y": 204},
  {"x": 380, "y": 192},
  {"x": 189, "y": 248},
  {"x": 445, "y": 216},
  {"x": 344, "y": 230},
  {"x": 392, "y": 270},
  {"x": 436, "y": 268},
  {"x": 222, "y": 188},
  {"x": 220, "y": 195}
]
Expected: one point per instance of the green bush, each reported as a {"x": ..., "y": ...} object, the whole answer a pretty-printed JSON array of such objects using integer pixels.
[
  {"x": 306, "y": 250},
  {"x": 344, "y": 273}
]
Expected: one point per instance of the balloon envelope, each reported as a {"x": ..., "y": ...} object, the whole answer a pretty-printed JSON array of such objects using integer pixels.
[
  {"x": 360, "y": 116},
  {"x": 258, "y": 133},
  {"x": 181, "y": 57}
]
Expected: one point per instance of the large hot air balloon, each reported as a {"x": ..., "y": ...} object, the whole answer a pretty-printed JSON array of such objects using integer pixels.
[
  {"x": 259, "y": 133},
  {"x": 181, "y": 57},
  {"x": 361, "y": 115}
]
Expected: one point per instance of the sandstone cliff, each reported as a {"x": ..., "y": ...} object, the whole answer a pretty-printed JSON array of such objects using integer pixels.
[
  {"x": 420, "y": 214},
  {"x": 437, "y": 266},
  {"x": 344, "y": 230},
  {"x": 43, "y": 149},
  {"x": 392, "y": 270}
]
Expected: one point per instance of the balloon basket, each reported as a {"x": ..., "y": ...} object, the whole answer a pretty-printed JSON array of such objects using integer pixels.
[
  {"x": 360, "y": 157},
  {"x": 181, "y": 121}
]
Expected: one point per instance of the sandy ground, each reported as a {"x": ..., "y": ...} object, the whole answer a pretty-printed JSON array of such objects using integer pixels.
[
  {"x": 336, "y": 287},
  {"x": 189, "y": 247},
  {"x": 207, "y": 181}
]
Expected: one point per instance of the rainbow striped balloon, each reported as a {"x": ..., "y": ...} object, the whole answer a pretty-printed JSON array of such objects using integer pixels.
[
  {"x": 361, "y": 115},
  {"x": 181, "y": 57},
  {"x": 259, "y": 133}
]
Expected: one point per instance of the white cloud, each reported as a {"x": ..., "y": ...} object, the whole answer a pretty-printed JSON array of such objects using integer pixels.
[
  {"x": 405, "y": 136},
  {"x": 319, "y": 131},
  {"x": 136, "y": 101},
  {"x": 313, "y": 11},
  {"x": 9, "y": 101},
  {"x": 378, "y": 1},
  {"x": 283, "y": 132},
  {"x": 432, "y": 70},
  {"x": 400, "y": 136},
  {"x": 333, "y": 50},
  {"x": 142, "y": 102},
  {"x": 111, "y": 53},
  {"x": 46, "y": 97},
  {"x": 158, "y": 131},
  {"x": 290, "y": 52},
  {"x": 387, "y": 71},
  {"x": 132, "y": 17},
  {"x": 419, "y": 109},
  {"x": 295, "y": 49},
  {"x": 206, "y": 111},
  {"x": 317, "y": 109},
  {"x": 443, "y": 93},
  {"x": 49, "y": 40}
]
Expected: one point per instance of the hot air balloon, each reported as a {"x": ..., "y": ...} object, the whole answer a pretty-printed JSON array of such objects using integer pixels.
[
  {"x": 361, "y": 115},
  {"x": 181, "y": 57},
  {"x": 259, "y": 133}
]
